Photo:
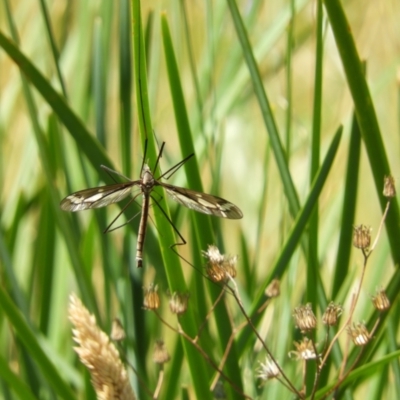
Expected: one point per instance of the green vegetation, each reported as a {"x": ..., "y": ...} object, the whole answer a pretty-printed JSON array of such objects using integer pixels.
[{"x": 291, "y": 109}]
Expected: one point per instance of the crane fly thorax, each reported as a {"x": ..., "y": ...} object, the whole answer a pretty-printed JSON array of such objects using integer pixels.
[{"x": 147, "y": 180}]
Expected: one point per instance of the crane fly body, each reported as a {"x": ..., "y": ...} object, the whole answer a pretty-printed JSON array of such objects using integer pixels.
[{"x": 104, "y": 195}]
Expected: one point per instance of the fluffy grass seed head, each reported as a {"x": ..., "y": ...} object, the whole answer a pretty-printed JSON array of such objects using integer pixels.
[{"x": 99, "y": 355}]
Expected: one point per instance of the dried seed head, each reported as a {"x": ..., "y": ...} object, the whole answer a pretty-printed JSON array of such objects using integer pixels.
[
  {"x": 178, "y": 302},
  {"x": 220, "y": 268},
  {"x": 359, "y": 334},
  {"x": 151, "y": 299},
  {"x": 98, "y": 354},
  {"x": 213, "y": 255},
  {"x": 389, "y": 188},
  {"x": 304, "y": 350},
  {"x": 305, "y": 318},
  {"x": 380, "y": 300},
  {"x": 273, "y": 289},
  {"x": 117, "y": 331},
  {"x": 216, "y": 273},
  {"x": 160, "y": 354},
  {"x": 230, "y": 265},
  {"x": 332, "y": 314},
  {"x": 362, "y": 237},
  {"x": 267, "y": 370}
]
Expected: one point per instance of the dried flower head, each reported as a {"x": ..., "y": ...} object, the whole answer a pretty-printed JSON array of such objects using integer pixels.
[
  {"x": 362, "y": 237},
  {"x": 273, "y": 289},
  {"x": 305, "y": 318},
  {"x": 213, "y": 255},
  {"x": 98, "y": 354},
  {"x": 178, "y": 302},
  {"x": 230, "y": 266},
  {"x": 267, "y": 370},
  {"x": 117, "y": 331},
  {"x": 160, "y": 354},
  {"x": 389, "y": 188},
  {"x": 304, "y": 350},
  {"x": 151, "y": 299},
  {"x": 359, "y": 334},
  {"x": 332, "y": 314},
  {"x": 380, "y": 300},
  {"x": 220, "y": 267}
]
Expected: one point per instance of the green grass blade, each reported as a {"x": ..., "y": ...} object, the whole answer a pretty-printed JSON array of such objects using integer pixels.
[
  {"x": 90, "y": 147},
  {"x": 297, "y": 230},
  {"x": 10, "y": 280},
  {"x": 54, "y": 98},
  {"x": 54, "y": 50},
  {"x": 172, "y": 266},
  {"x": 125, "y": 85},
  {"x": 14, "y": 382},
  {"x": 266, "y": 110},
  {"x": 366, "y": 115},
  {"x": 363, "y": 372},
  {"x": 203, "y": 229},
  {"x": 28, "y": 337},
  {"x": 348, "y": 210}
]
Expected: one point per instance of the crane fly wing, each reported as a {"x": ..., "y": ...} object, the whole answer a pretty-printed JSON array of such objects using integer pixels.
[
  {"x": 202, "y": 202},
  {"x": 97, "y": 197},
  {"x": 104, "y": 195}
]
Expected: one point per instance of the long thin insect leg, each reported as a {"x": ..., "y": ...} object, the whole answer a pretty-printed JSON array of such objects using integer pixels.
[
  {"x": 125, "y": 223},
  {"x": 203, "y": 274},
  {"x": 159, "y": 156},
  {"x": 173, "y": 226},
  {"x": 175, "y": 168},
  {"x": 131, "y": 219},
  {"x": 144, "y": 153},
  {"x": 111, "y": 171},
  {"x": 119, "y": 214}
]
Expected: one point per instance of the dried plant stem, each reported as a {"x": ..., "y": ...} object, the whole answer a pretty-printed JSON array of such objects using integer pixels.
[
  {"x": 380, "y": 228},
  {"x": 209, "y": 315},
  {"x": 342, "y": 375},
  {"x": 355, "y": 299},
  {"x": 335, "y": 338},
  {"x": 366, "y": 253},
  {"x": 250, "y": 322},
  {"x": 159, "y": 384},
  {"x": 304, "y": 369},
  {"x": 318, "y": 372},
  {"x": 202, "y": 352},
  {"x": 263, "y": 306},
  {"x": 226, "y": 352},
  {"x": 139, "y": 378}
]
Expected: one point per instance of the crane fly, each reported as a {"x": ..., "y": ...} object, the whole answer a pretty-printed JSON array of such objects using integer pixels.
[{"x": 104, "y": 195}]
